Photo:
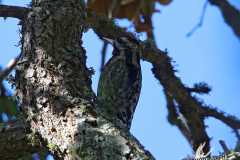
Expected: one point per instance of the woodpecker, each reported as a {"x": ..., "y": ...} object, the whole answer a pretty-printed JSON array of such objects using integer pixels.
[{"x": 120, "y": 82}]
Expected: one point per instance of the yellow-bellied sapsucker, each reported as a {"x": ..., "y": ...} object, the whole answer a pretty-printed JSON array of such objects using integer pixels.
[{"x": 121, "y": 81}]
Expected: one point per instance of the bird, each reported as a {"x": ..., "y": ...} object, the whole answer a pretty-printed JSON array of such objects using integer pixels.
[{"x": 120, "y": 82}]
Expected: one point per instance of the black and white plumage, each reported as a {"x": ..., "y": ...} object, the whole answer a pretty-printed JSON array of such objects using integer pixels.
[{"x": 121, "y": 81}]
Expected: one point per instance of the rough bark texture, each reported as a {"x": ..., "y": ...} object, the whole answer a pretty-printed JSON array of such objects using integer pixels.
[
  {"x": 188, "y": 106},
  {"x": 53, "y": 86},
  {"x": 13, "y": 139},
  {"x": 56, "y": 63},
  {"x": 13, "y": 11}
]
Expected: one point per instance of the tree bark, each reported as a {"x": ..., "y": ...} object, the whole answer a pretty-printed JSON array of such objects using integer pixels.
[
  {"x": 230, "y": 14},
  {"x": 14, "y": 139},
  {"x": 53, "y": 86}
]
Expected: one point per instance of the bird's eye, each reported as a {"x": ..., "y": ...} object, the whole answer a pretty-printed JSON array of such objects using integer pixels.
[{"x": 120, "y": 40}]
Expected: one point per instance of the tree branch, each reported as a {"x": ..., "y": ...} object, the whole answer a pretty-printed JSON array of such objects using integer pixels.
[
  {"x": 229, "y": 120},
  {"x": 237, "y": 134},
  {"x": 199, "y": 90},
  {"x": 200, "y": 22},
  {"x": 188, "y": 105},
  {"x": 173, "y": 118},
  {"x": 230, "y": 14},
  {"x": 113, "y": 10},
  {"x": 13, "y": 139},
  {"x": 9, "y": 68},
  {"x": 54, "y": 88},
  {"x": 14, "y": 11},
  {"x": 102, "y": 26},
  {"x": 103, "y": 54},
  {"x": 224, "y": 147},
  {"x": 164, "y": 72},
  {"x": 5, "y": 106}
]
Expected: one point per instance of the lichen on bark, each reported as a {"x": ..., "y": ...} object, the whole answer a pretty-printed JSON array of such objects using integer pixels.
[{"x": 54, "y": 88}]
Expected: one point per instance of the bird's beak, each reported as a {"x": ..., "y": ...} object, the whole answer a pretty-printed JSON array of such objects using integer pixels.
[{"x": 111, "y": 41}]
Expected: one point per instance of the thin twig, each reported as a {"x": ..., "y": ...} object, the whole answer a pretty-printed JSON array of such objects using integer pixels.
[
  {"x": 103, "y": 55},
  {"x": 4, "y": 100},
  {"x": 9, "y": 68},
  {"x": 113, "y": 10},
  {"x": 201, "y": 20},
  {"x": 199, "y": 90}
]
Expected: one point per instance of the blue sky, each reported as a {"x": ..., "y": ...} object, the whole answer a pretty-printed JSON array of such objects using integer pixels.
[{"x": 211, "y": 54}]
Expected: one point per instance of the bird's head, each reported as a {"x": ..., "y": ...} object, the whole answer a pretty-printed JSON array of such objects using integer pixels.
[{"x": 126, "y": 46}]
